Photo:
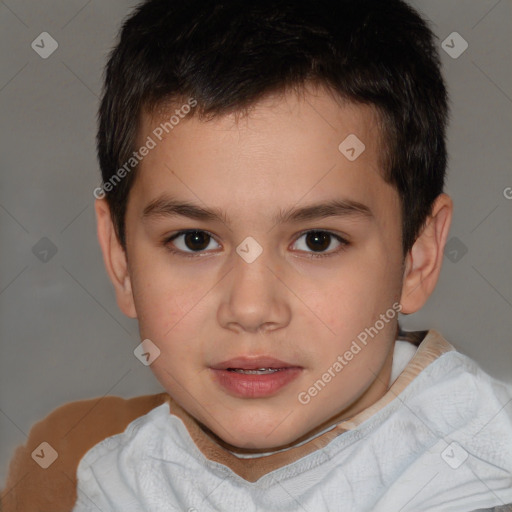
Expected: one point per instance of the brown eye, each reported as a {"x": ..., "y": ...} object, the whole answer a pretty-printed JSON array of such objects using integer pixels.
[
  {"x": 191, "y": 241},
  {"x": 317, "y": 241},
  {"x": 197, "y": 240}
]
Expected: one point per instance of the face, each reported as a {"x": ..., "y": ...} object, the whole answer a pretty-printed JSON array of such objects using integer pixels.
[{"x": 259, "y": 254}]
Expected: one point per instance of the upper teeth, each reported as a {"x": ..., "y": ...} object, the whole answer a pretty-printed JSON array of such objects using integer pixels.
[{"x": 259, "y": 370}]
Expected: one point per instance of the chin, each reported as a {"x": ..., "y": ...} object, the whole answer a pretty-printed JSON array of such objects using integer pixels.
[{"x": 263, "y": 439}]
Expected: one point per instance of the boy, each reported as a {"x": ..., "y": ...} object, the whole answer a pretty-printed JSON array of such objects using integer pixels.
[{"x": 233, "y": 139}]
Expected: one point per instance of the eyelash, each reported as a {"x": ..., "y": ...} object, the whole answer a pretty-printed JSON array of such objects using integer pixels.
[{"x": 166, "y": 243}]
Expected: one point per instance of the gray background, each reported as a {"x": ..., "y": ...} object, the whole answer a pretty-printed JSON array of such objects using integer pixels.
[{"x": 62, "y": 335}]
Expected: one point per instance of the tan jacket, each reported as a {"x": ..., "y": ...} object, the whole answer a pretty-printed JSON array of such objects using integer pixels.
[{"x": 71, "y": 430}]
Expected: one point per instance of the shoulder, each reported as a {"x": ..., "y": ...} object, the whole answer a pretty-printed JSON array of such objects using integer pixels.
[
  {"x": 458, "y": 398},
  {"x": 440, "y": 363},
  {"x": 58, "y": 442},
  {"x": 460, "y": 382}
]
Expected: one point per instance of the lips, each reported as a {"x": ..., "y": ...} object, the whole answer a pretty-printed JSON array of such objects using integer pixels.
[
  {"x": 254, "y": 377},
  {"x": 253, "y": 363}
]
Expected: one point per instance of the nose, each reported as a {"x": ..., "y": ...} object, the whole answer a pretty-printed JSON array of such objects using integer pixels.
[{"x": 254, "y": 297}]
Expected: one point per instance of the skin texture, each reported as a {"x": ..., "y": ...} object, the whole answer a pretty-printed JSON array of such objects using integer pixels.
[{"x": 206, "y": 308}]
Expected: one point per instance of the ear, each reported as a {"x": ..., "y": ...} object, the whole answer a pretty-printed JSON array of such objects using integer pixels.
[
  {"x": 423, "y": 262},
  {"x": 114, "y": 258}
]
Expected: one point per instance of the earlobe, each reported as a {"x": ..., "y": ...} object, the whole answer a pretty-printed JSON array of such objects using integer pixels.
[
  {"x": 114, "y": 258},
  {"x": 423, "y": 262}
]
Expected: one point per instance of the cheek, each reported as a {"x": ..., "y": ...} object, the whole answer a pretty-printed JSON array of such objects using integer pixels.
[
  {"x": 358, "y": 292},
  {"x": 160, "y": 299},
  {"x": 354, "y": 300}
]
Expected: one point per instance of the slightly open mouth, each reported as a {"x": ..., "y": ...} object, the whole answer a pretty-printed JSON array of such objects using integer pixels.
[
  {"x": 250, "y": 380},
  {"x": 259, "y": 371}
]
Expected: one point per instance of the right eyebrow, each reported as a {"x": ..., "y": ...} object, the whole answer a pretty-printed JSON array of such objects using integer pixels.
[{"x": 168, "y": 207}]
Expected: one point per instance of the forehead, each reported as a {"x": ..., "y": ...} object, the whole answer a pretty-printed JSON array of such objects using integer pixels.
[{"x": 287, "y": 148}]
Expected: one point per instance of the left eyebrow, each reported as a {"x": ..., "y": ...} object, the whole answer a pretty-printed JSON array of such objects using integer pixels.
[
  {"x": 168, "y": 207},
  {"x": 334, "y": 208}
]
